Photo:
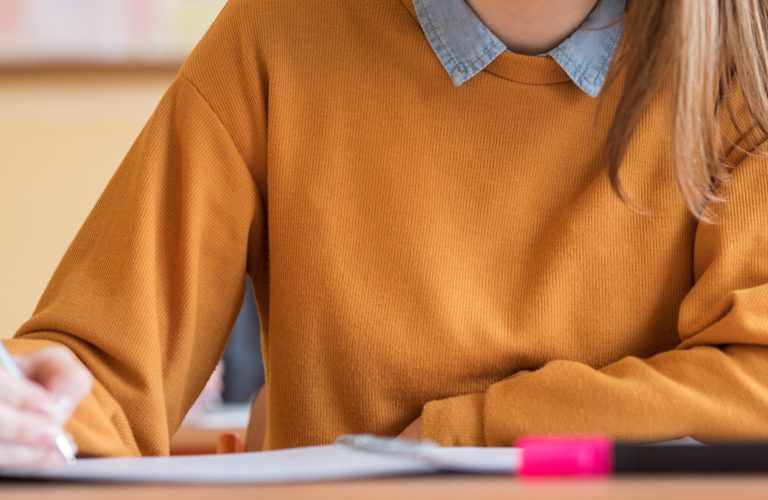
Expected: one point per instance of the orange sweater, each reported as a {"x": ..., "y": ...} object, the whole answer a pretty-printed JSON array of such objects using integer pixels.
[{"x": 416, "y": 249}]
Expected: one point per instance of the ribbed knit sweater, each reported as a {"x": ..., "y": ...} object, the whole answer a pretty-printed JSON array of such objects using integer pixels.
[{"x": 416, "y": 249}]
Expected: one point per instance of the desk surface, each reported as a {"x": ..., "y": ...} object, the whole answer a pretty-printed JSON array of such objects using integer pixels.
[{"x": 444, "y": 488}]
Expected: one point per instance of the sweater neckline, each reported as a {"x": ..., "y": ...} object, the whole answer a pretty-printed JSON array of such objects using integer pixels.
[{"x": 520, "y": 68}]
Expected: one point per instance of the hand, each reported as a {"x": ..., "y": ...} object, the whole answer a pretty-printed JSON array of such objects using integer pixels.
[
  {"x": 32, "y": 411},
  {"x": 413, "y": 431}
]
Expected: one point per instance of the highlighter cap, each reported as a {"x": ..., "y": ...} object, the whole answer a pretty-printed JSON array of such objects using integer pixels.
[{"x": 570, "y": 456}]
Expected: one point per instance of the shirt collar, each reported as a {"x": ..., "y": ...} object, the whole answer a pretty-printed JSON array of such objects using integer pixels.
[{"x": 465, "y": 46}]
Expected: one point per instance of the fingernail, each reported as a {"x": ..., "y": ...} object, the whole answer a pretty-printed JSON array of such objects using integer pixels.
[
  {"x": 64, "y": 407},
  {"x": 48, "y": 434}
]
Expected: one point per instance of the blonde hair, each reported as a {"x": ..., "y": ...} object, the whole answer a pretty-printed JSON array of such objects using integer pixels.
[{"x": 702, "y": 46}]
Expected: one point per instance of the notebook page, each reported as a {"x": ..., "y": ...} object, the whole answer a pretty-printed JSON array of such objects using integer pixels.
[{"x": 295, "y": 465}]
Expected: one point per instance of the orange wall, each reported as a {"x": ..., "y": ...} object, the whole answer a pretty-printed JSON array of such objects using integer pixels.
[{"x": 62, "y": 135}]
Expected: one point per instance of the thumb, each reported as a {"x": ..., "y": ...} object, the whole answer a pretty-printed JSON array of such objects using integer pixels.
[{"x": 59, "y": 372}]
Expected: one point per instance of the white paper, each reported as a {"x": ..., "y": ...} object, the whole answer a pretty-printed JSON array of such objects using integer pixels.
[
  {"x": 476, "y": 460},
  {"x": 295, "y": 465}
]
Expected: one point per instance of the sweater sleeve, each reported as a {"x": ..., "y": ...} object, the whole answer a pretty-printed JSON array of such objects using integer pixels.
[
  {"x": 148, "y": 291},
  {"x": 713, "y": 385}
]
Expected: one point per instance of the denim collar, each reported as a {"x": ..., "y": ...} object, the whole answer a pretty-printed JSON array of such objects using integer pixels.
[{"x": 465, "y": 46}]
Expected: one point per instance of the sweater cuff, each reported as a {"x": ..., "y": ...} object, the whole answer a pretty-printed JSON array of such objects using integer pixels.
[
  {"x": 94, "y": 428},
  {"x": 455, "y": 421}
]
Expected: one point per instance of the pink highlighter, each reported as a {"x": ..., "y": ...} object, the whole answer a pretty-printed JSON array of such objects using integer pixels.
[
  {"x": 564, "y": 456},
  {"x": 600, "y": 456},
  {"x": 584, "y": 456}
]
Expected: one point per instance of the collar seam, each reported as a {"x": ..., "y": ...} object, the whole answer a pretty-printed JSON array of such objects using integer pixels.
[
  {"x": 614, "y": 41},
  {"x": 466, "y": 69},
  {"x": 590, "y": 75}
]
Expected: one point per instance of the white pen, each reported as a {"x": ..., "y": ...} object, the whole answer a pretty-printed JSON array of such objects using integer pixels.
[{"x": 63, "y": 443}]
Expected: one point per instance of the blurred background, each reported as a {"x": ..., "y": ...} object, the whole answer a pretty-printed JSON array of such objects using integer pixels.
[
  {"x": 78, "y": 79},
  {"x": 102, "y": 31}
]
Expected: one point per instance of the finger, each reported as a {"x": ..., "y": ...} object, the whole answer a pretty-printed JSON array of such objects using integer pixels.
[
  {"x": 25, "y": 395},
  {"x": 18, "y": 427},
  {"x": 28, "y": 456},
  {"x": 59, "y": 371}
]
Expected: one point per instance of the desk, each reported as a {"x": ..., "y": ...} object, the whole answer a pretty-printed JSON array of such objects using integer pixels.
[{"x": 443, "y": 488}]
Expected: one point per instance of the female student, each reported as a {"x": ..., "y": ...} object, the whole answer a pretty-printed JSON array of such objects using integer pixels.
[{"x": 467, "y": 257}]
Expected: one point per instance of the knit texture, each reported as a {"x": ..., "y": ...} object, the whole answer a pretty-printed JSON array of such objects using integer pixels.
[{"x": 417, "y": 249}]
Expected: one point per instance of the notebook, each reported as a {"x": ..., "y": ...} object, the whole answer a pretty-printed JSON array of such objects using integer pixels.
[{"x": 320, "y": 463}]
